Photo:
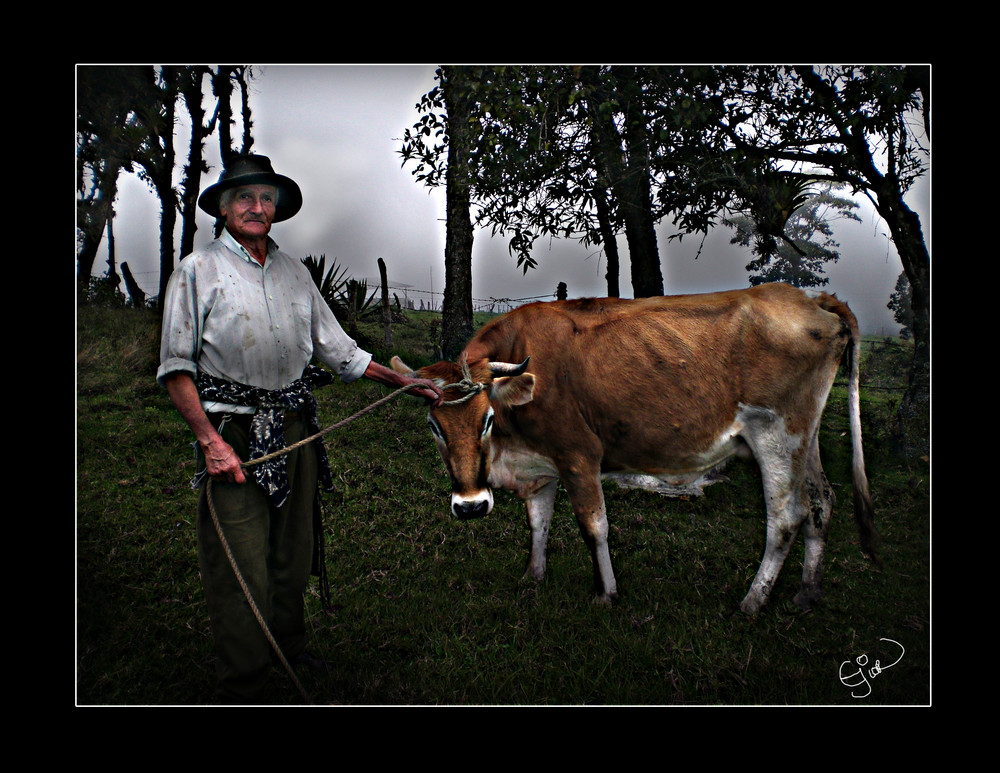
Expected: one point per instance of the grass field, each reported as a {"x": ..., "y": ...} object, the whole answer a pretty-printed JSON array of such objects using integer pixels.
[{"x": 432, "y": 611}]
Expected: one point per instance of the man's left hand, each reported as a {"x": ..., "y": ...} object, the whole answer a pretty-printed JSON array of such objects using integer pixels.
[{"x": 431, "y": 392}]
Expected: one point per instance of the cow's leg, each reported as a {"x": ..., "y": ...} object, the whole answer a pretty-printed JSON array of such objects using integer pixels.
[
  {"x": 784, "y": 515},
  {"x": 587, "y": 497},
  {"x": 781, "y": 458},
  {"x": 540, "y": 506},
  {"x": 819, "y": 499}
]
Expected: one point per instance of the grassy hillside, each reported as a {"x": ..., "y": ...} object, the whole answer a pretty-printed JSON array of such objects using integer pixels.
[{"x": 429, "y": 610}]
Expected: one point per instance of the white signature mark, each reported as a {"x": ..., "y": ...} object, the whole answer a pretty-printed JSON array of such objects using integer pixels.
[{"x": 864, "y": 675}]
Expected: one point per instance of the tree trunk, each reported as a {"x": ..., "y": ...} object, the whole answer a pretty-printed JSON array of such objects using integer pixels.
[
  {"x": 913, "y": 422},
  {"x": 134, "y": 291},
  {"x": 112, "y": 256},
  {"x": 168, "y": 219},
  {"x": 94, "y": 215},
  {"x": 636, "y": 200},
  {"x": 191, "y": 184},
  {"x": 913, "y": 413},
  {"x": 610, "y": 240},
  {"x": 242, "y": 74},
  {"x": 456, "y": 318},
  {"x": 222, "y": 87},
  {"x": 628, "y": 178},
  {"x": 161, "y": 170}
]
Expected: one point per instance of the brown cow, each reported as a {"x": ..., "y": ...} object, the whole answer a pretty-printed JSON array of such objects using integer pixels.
[{"x": 663, "y": 389}]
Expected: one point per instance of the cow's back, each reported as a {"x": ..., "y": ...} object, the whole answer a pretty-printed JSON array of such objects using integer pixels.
[{"x": 659, "y": 380}]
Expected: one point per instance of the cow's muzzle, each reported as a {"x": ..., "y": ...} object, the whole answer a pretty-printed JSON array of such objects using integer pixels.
[{"x": 466, "y": 508}]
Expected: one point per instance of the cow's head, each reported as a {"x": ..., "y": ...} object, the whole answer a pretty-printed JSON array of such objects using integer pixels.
[{"x": 476, "y": 395}]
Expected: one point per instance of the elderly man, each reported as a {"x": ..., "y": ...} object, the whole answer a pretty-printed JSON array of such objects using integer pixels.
[{"x": 241, "y": 323}]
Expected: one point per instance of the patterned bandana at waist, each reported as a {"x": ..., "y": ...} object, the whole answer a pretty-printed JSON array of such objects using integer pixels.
[{"x": 267, "y": 430}]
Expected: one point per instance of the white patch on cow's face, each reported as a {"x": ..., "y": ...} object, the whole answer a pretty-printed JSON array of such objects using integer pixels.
[
  {"x": 438, "y": 434},
  {"x": 480, "y": 503},
  {"x": 487, "y": 430}
]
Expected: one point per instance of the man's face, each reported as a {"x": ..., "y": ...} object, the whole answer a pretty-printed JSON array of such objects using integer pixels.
[{"x": 249, "y": 211}]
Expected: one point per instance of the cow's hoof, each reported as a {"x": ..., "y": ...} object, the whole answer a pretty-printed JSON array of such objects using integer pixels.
[
  {"x": 807, "y": 597},
  {"x": 533, "y": 574},
  {"x": 750, "y": 606},
  {"x": 605, "y": 599}
]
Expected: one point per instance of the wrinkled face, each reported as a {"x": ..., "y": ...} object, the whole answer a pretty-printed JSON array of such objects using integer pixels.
[
  {"x": 463, "y": 428},
  {"x": 249, "y": 210}
]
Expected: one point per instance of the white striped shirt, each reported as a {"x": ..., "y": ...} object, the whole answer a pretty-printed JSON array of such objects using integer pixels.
[{"x": 226, "y": 314}]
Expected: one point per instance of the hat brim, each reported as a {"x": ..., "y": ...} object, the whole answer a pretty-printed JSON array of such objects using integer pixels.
[{"x": 289, "y": 195}]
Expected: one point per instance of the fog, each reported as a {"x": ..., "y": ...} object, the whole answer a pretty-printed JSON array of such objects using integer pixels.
[{"x": 336, "y": 130}]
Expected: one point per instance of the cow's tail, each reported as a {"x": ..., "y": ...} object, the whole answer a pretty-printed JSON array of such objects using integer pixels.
[{"x": 864, "y": 511}]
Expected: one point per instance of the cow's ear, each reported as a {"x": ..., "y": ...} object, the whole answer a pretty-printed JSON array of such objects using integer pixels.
[{"x": 513, "y": 390}]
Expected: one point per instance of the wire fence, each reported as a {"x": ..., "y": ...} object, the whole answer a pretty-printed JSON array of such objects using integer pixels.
[{"x": 416, "y": 299}]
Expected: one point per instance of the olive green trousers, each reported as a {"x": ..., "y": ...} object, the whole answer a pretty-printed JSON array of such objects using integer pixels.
[{"x": 273, "y": 551}]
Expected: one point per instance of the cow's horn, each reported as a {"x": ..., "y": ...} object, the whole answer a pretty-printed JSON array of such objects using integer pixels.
[{"x": 508, "y": 368}]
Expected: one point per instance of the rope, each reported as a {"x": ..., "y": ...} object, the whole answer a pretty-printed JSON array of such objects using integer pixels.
[
  {"x": 467, "y": 384},
  {"x": 225, "y": 544},
  {"x": 339, "y": 425},
  {"x": 249, "y": 596}
]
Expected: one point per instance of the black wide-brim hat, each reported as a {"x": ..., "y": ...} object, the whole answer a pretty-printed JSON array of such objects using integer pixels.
[{"x": 252, "y": 169}]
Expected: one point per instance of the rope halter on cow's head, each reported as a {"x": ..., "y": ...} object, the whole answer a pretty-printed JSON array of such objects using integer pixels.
[{"x": 470, "y": 387}]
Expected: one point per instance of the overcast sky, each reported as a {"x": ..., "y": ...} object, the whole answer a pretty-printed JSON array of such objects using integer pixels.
[{"x": 335, "y": 130}]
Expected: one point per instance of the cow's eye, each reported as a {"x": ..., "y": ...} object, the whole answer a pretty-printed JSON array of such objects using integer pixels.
[
  {"x": 488, "y": 423},
  {"x": 435, "y": 428}
]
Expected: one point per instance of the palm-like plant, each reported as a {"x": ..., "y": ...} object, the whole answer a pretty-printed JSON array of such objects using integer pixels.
[
  {"x": 331, "y": 283},
  {"x": 357, "y": 300}
]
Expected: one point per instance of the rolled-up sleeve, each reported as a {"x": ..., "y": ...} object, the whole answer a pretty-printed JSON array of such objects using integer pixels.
[
  {"x": 332, "y": 346},
  {"x": 181, "y": 333}
]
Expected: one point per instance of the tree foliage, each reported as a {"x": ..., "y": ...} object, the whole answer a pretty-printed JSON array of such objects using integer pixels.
[
  {"x": 712, "y": 140},
  {"x": 118, "y": 113},
  {"x": 807, "y": 240},
  {"x": 554, "y": 146},
  {"x": 591, "y": 152},
  {"x": 536, "y": 132},
  {"x": 126, "y": 121}
]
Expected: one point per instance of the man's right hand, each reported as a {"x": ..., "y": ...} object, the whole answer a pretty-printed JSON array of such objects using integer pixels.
[{"x": 222, "y": 461}]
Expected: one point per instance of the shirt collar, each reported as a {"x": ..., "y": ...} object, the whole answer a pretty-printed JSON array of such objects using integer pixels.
[{"x": 230, "y": 241}]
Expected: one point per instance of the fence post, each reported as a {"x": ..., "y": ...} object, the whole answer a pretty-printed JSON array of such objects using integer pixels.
[{"x": 386, "y": 311}]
